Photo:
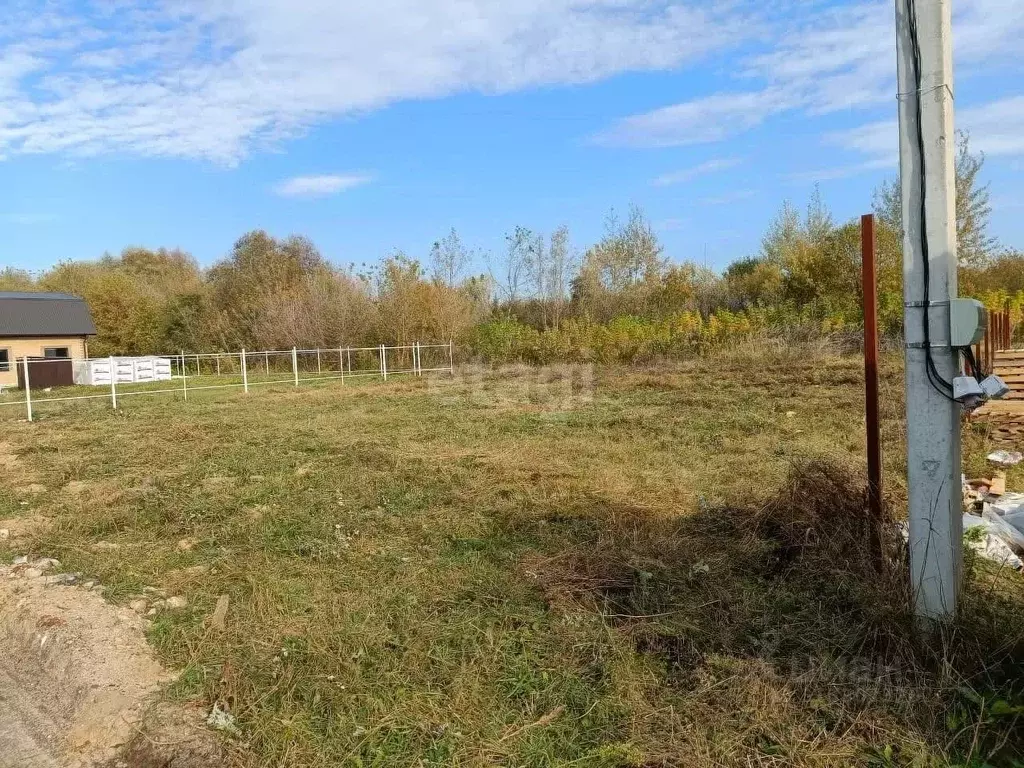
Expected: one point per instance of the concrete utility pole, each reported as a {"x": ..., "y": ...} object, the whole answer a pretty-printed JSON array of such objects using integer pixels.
[{"x": 927, "y": 175}]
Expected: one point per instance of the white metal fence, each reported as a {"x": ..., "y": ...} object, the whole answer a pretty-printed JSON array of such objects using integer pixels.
[{"x": 245, "y": 370}]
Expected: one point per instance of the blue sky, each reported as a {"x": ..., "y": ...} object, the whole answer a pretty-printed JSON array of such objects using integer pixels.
[{"x": 374, "y": 126}]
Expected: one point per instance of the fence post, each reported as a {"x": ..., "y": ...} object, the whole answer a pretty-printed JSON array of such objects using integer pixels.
[
  {"x": 384, "y": 362},
  {"x": 113, "y": 383},
  {"x": 295, "y": 365},
  {"x": 319, "y": 369},
  {"x": 451, "y": 357},
  {"x": 28, "y": 389},
  {"x": 869, "y": 277},
  {"x": 418, "y": 363},
  {"x": 245, "y": 373},
  {"x": 349, "y": 351},
  {"x": 218, "y": 363},
  {"x": 184, "y": 375},
  {"x": 266, "y": 359},
  {"x": 199, "y": 371},
  {"x": 985, "y": 342},
  {"x": 341, "y": 363}
]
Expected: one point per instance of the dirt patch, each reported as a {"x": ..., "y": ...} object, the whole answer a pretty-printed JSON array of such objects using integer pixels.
[
  {"x": 79, "y": 487},
  {"x": 169, "y": 738},
  {"x": 13, "y": 471},
  {"x": 21, "y": 527},
  {"x": 107, "y": 491},
  {"x": 8, "y": 458},
  {"x": 218, "y": 483},
  {"x": 78, "y": 683}
]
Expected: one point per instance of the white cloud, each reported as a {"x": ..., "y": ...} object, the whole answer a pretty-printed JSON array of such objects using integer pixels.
[
  {"x": 319, "y": 186},
  {"x": 842, "y": 171},
  {"x": 214, "y": 78},
  {"x": 688, "y": 174},
  {"x": 834, "y": 59},
  {"x": 997, "y": 129},
  {"x": 701, "y": 121}
]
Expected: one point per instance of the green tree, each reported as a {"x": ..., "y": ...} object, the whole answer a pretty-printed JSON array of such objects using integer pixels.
[
  {"x": 251, "y": 287},
  {"x": 449, "y": 259},
  {"x": 12, "y": 279},
  {"x": 753, "y": 281},
  {"x": 127, "y": 316},
  {"x": 784, "y": 233},
  {"x": 819, "y": 224},
  {"x": 561, "y": 265},
  {"x": 620, "y": 273},
  {"x": 975, "y": 245}
]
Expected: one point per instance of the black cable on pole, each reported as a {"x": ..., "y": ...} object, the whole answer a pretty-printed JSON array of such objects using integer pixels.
[
  {"x": 938, "y": 383},
  {"x": 973, "y": 363}
]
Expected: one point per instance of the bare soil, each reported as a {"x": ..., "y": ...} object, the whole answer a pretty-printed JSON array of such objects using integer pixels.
[{"x": 79, "y": 684}]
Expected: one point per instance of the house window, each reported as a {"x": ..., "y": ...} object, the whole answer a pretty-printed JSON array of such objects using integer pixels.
[
  {"x": 5, "y": 360},
  {"x": 59, "y": 353}
]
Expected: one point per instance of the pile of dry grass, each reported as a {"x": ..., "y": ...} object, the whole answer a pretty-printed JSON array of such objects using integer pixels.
[{"x": 812, "y": 592}]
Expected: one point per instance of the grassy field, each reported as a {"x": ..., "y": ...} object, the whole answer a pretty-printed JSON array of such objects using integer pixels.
[{"x": 572, "y": 567}]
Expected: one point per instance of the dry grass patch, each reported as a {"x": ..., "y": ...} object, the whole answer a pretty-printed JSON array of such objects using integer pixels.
[{"x": 524, "y": 572}]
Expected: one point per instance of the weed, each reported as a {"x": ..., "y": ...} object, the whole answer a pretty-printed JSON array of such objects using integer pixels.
[{"x": 509, "y": 572}]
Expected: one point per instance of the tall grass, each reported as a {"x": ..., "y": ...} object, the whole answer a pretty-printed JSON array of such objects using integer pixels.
[{"x": 631, "y": 339}]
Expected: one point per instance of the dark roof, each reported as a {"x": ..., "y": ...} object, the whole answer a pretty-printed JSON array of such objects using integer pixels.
[{"x": 44, "y": 314}]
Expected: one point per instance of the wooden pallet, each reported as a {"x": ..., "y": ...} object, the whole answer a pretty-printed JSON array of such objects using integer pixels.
[
  {"x": 1006, "y": 417},
  {"x": 1009, "y": 364}
]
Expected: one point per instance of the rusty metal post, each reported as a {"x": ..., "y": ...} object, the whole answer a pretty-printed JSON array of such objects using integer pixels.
[
  {"x": 874, "y": 441},
  {"x": 993, "y": 341},
  {"x": 987, "y": 365}
]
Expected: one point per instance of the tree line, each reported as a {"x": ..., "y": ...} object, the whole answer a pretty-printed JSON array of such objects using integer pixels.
[{"x": 541, "y": 299}]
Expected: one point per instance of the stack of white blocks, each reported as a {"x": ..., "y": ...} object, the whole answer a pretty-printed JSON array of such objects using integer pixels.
[{"x": 123, "y": 370}]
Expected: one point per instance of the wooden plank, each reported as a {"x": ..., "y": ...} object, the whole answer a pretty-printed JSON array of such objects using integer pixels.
[{"x": 1003, "y": 407}]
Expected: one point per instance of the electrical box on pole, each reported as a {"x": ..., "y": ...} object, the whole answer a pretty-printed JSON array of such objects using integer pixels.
[{"x": 925, "y": 73}]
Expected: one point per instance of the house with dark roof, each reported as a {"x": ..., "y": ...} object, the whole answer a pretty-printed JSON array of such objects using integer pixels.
[{"x": 41, "y": 325}]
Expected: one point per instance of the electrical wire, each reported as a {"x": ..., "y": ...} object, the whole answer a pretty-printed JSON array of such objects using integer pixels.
[
  {"x": 973, "y": 362},
  {"x": 935, "y": 378}
]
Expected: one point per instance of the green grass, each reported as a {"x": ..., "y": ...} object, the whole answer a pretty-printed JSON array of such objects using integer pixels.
[{"x": 506, "y": 569}]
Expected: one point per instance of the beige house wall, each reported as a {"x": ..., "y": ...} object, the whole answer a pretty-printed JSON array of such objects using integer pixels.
[{"x": 33, "y": 347}]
